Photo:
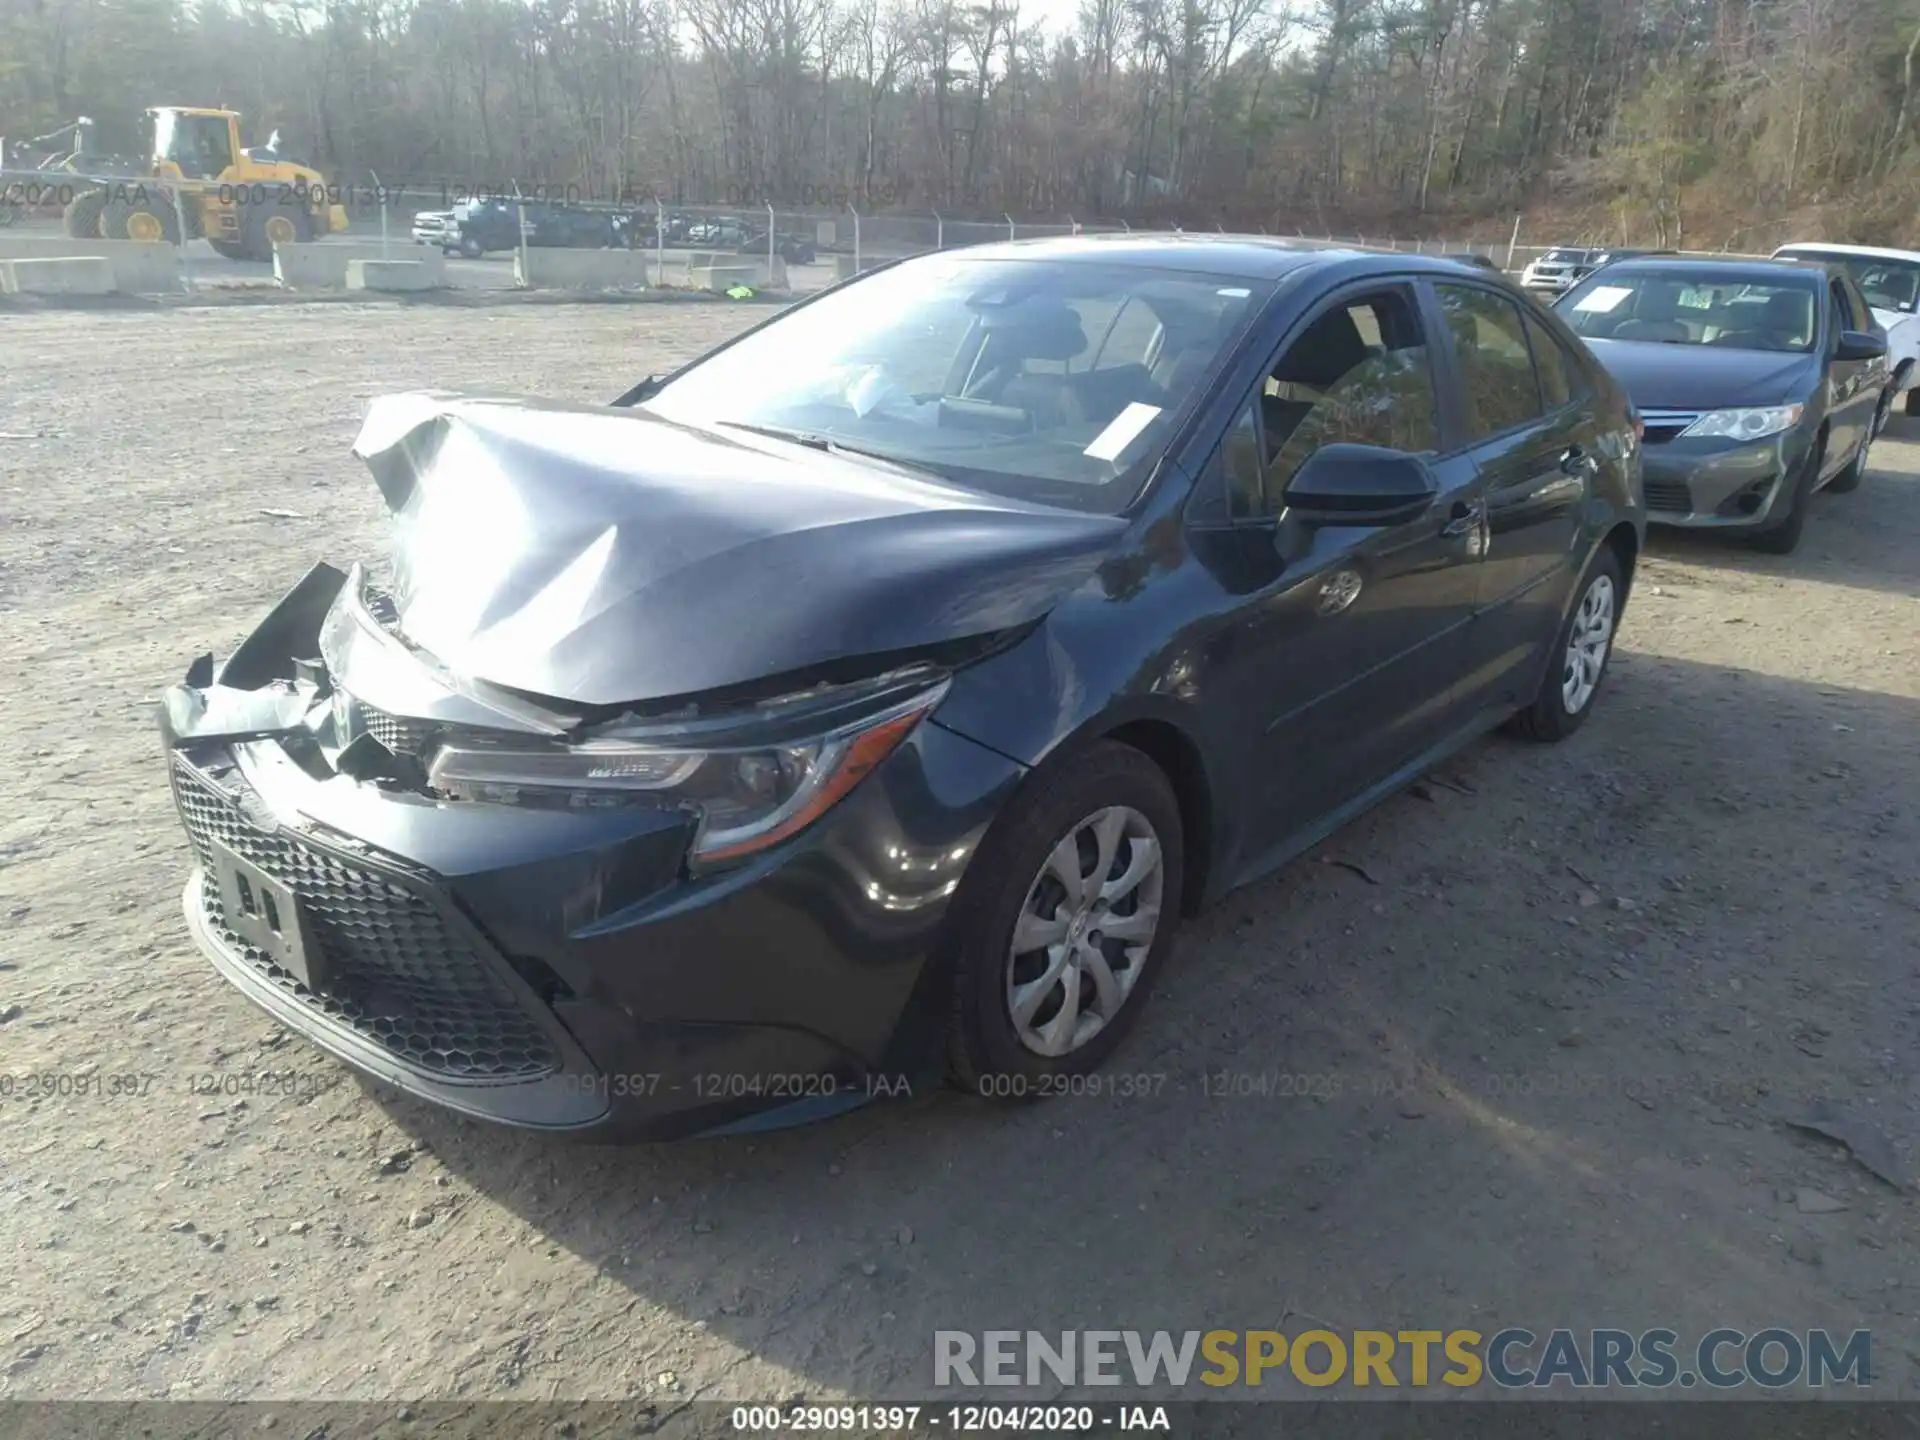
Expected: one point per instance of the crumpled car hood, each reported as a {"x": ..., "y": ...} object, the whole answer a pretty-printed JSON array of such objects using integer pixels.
[{"x": 608, "y": 556}]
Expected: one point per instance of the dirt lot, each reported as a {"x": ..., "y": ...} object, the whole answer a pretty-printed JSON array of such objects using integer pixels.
[{"x": 1554, "y": 1033}]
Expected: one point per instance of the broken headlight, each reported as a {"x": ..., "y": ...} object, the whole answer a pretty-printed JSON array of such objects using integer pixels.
[{"x": 747, "y": 796}]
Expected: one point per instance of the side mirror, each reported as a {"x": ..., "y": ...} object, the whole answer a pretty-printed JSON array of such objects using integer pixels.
[
  {"x": 1359, "y": 485},
  {"x": 1860, "y": 345}
]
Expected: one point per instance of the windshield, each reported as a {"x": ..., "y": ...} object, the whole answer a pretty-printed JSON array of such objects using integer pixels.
[
  {"x": 1619, "y": 303},
  {"x": 1887, "y": 284},
  {"x": 1047, "y": 380},
  {"x": 1566, "y": 257},
  {"x": 198, "y": 144}
]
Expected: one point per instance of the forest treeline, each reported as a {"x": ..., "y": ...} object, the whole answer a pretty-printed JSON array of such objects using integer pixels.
[{"x": 1285, "y": 113}]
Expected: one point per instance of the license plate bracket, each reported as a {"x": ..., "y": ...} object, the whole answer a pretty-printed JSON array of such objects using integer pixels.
[{"x": 265, "y": 913}]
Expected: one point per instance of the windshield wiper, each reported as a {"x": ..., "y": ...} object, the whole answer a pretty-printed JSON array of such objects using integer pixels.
[{"x": 813, "y": 440}]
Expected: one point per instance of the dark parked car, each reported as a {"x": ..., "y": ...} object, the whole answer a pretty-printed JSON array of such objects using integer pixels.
[
  {"x": 863, "y": 702},
  {"x": 482, "y": 225},
  {"x": 1758, "y": 382},
  {"x": 792, "y": 248}
]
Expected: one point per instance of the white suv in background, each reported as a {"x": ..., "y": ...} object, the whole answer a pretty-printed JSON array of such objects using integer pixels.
[{"x": 1890, "y": 279}]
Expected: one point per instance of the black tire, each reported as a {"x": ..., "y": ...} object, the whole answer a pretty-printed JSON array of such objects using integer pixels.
[
  {"x": 81, "y": 219},
  {"x": 228, "y": 249},
  {"x": 1882, "y": 410},
  {"x": 1848, "y": 480},
  {"x": 1783, "y": 538},
  {"x": 1912, "y": 403},
  {"x": 261, "y": 226},
  {"x": 138, "y": 214},
  {"x": 1549, "y": 718},
  {"x": 471, "y": 248},
  {"x": 985, "y": 1053}
]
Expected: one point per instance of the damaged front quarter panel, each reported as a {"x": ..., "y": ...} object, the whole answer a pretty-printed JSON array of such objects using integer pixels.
[{"x": 269, "y": 685}]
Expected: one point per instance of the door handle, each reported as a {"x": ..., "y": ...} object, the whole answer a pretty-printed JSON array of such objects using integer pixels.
[
  {"x": 1576, "y": 461},
  {"x": 1464, "y": 518}
]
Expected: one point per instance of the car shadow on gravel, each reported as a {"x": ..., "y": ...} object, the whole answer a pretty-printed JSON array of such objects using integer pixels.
[{"x": 1524, "y": 1053}]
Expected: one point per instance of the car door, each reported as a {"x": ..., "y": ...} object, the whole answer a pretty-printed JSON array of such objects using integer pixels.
[
  {"x": 1535, "y": 446},
  {"x": 1851, "y": 387},
  {"x": 1349, "y": 644}
]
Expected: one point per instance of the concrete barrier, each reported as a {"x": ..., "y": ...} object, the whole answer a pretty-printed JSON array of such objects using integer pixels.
[
  {"x": 139, "y": 267},
  {"x": 544, "y": 268},
  {"x": 845, "y": 269},
  {"x": 396, "y": 275},
  {"x": 324, "y": 267},
  {"x": 721, "y": 278},
  {"x": 58, "y": 275}
]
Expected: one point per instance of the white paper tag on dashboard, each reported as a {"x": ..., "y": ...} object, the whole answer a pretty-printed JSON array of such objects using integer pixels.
[
  {"x": 1603, "y": 298},
  {"x": 1122, "y": 432}
]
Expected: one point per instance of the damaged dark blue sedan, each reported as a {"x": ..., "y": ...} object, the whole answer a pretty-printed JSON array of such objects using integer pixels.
[{"x": 860, "y": 705}]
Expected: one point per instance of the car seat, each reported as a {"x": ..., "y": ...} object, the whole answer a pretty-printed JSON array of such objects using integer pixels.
[
  {"x": 1655, "y": 318},
  {"x": 1048, "y": 334},
  {"x": 1313, "y": 365},
  {"x": 1786, "y": 324}
]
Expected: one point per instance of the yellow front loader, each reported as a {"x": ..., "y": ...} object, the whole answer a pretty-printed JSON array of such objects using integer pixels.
[{"x": 243, "y": 201}]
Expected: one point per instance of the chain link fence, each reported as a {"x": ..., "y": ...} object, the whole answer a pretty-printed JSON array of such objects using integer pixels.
[{"x": 766, "y": 247}]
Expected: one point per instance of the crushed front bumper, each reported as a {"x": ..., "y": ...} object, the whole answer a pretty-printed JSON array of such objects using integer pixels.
[{"x": 560, "y": 969}]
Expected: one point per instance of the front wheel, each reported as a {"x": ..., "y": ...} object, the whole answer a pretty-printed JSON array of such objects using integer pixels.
[
  {"x": 471, "y": 248},
  {"x": 1849, "y": 479},
  {"x": 1783, "y": 538},
  {"x": 1063, "y": 922},
  {"x": 141, "y": 216},
  {"x": 1580, "y": 654}
]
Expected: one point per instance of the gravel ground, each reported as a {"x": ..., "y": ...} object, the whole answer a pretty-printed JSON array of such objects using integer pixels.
[{"x": 1552, "y": 1027}]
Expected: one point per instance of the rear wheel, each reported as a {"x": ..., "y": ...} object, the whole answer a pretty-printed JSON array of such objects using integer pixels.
[
  {"x": 471, "y": 248},
  {"x": 228, "y": 249},
  {"x": 146, "y": 215},
  {"x": 1065, "y": 918},
  {"x": 81, "y": 218},
  {"x": 1580, "y": 655}
]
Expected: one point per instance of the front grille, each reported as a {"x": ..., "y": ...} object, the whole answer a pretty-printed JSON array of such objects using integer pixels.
[
  {"x": 1665, "y": 425},
  {"x": 401, "y": 734},
  {"x": 1669, "y": 495},
  {"x": 404, "y": 976}
]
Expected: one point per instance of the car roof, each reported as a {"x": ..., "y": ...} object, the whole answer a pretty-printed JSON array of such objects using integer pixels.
[
  {"x": 1871, "y": 252},
  {"x": 1235, "y": 257},
  {"x": 1731, "y": 270}
]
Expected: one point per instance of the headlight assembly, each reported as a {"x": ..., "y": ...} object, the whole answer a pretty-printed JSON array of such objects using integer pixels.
[
  {"x": 1751, "y": 423},
  {"x": 747, "y": 796}
]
